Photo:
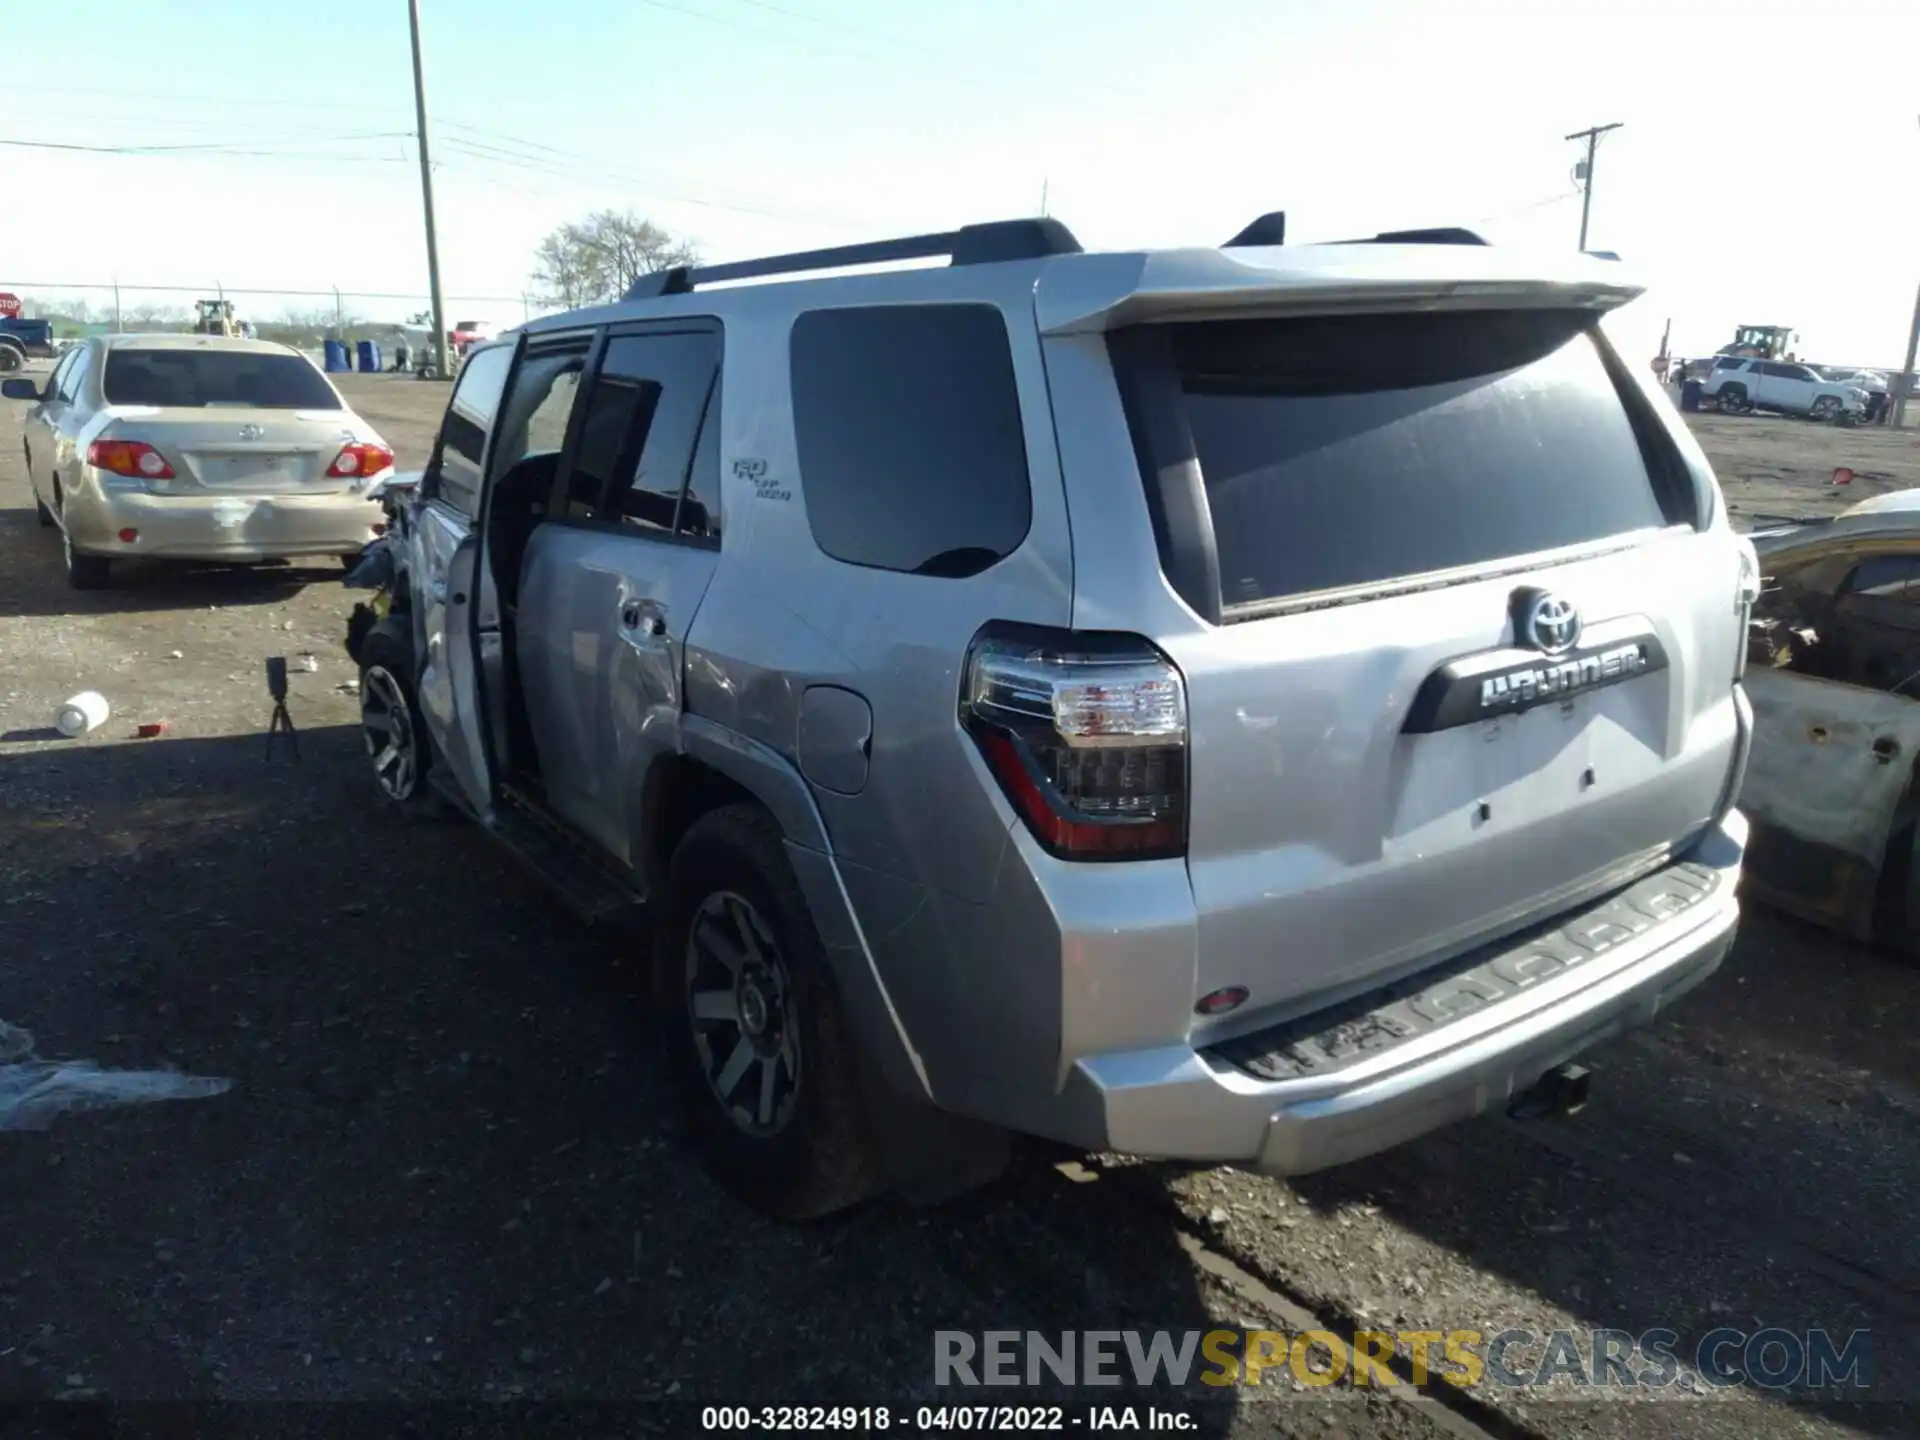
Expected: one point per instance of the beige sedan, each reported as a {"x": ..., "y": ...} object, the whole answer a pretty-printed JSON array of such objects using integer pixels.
[{"x": 196, "y": 447}]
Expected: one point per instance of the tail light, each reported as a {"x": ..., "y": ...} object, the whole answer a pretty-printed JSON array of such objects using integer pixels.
[
  {"x": 360, "y": 460},
  {"x": 134, "y": 459},
  {"x": 1745, "y": 599},
  {"x": 1087, "y": 735}
]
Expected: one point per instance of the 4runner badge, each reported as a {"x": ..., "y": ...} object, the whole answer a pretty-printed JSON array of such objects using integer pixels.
[{"x": 764, "y": 488}]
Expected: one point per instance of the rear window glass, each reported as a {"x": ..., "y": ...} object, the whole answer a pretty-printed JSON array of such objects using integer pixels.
[
  {"x": 1340, "y": 451},
  {"x": 215, "y": 377},
  {"x": 907, "y": 422}
]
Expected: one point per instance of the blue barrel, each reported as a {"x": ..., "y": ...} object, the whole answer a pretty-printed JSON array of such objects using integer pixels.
[
  {"x": 369, "y": 352},
  {"x": 337, "y": 357}
]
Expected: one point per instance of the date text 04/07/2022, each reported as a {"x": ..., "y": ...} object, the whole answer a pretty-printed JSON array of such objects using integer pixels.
[{"x": 941, "y": 1419}]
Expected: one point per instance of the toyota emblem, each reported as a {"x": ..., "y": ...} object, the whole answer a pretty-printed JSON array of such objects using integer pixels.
[{"x": 1546, "y": 621}]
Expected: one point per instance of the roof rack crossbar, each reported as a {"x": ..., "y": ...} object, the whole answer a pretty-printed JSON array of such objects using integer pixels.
[
  {"x": 982, "y": 244},
  {"x": 1440, "y": 235}
]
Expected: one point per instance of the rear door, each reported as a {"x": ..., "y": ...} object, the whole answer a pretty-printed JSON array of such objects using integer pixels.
[
  {"x": 442, "y": 548},
  {"x": 65, "y": 416},
  {"x": 39, "y": 432},
  {"x": 611, "y": 584},
  {"x": 1785, "y": 387},
  {"x": 1457, "y": 655},
  {"x": 228, "y": 421}
]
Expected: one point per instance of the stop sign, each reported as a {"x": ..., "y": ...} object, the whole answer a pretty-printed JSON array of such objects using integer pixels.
[{"x": 9, "y": 304}]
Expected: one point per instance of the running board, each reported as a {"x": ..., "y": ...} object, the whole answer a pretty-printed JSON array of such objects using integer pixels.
[{"x": 569, "y": 865}]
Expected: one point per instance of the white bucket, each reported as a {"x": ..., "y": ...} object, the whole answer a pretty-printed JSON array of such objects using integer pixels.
[{"x": 85, "y": 711}]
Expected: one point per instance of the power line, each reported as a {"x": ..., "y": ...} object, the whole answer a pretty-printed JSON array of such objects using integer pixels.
[
  {"x": 216, "y": 148},
  {"x": 587, "y": 169},
  {"x": 54, "y": 288}
]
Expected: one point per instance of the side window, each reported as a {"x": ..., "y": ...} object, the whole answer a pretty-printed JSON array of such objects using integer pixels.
[
  {"x": 640, "y": 434},
  {"x": 1885, "y": 577},
  {"x": 454, "y": 476},
  {"x": 907, "y": 423},
  {"x": 77, "y": 376},
  {"x": 533, "y": 419},
  {"x": 59, "y": 375},
  {"x": 1781, "y": 372},
  {"x": 1725, "y": 363}
]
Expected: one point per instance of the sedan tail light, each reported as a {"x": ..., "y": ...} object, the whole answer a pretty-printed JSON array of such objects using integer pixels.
[
  {"x": 135, "y": 459},
  {"x": 360, "y": 460},
  {"x": 1087, "y": 735}
]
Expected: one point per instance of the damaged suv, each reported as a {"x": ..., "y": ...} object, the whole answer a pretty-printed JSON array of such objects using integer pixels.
[{"x": 1249, "y": 704}]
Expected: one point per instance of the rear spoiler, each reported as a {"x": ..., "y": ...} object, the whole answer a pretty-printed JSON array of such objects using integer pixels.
[{"x": 1103, "y": 292}]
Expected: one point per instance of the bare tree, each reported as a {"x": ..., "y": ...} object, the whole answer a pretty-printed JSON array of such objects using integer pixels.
[
  {"x": 154, "y": 317},
  {"x": 595, "y": 261},
  {"x": 74, "y": 309}
]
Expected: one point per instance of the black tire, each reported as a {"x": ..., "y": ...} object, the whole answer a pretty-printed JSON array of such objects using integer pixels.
[
  {"x": 1825, "y": 408},
  {"x": 12, "y": 358},
  {"x": 390, "y": 708},
  {"x": 1733, "y": 399},
  {"x": 819, "y": 1156},
  {"x": 85, "y": 572},
  {"x": 42, "y": 514}
]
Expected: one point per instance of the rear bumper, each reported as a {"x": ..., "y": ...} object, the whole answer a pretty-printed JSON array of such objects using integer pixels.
[
  {"x": 1330, "y": 1088},
  {"x": 219, "y": 527}
]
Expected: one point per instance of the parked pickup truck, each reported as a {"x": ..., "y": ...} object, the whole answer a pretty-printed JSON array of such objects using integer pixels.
[{"x": 20, "y": 339}]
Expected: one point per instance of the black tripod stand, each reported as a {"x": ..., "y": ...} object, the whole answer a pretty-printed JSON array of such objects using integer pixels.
[{"x": 282, "y": 722}]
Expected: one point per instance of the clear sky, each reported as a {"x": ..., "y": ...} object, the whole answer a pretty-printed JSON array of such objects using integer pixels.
[{"x": 1768, "y": 170}]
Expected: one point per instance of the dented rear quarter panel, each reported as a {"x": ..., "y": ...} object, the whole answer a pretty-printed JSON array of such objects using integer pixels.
[{"x": 1826, "y": 788}]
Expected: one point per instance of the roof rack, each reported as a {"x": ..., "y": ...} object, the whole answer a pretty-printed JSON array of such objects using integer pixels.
[
  {"x": 1441, "y": 235},
  {"x": 983, "y": 244},
  {"x": 1269, "y": 229}
]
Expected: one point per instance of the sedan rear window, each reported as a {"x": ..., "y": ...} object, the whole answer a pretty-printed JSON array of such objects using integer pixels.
[
  {"x": 191, "y": 378},
  {"x": 1344, "y": 451}
]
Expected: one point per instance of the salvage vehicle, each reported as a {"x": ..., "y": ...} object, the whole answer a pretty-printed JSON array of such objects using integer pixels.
[
  {"x": 1739, "y": 386},
  {"x": 973, "y": 686},
  {"x": 196, "y": 447},
  {"x": 1833, "y": 675}
]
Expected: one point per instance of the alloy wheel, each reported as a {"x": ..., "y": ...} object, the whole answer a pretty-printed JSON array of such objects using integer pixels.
[
  {"x": 739, "y": 1000},
  {"x": 387, "y": 722}
]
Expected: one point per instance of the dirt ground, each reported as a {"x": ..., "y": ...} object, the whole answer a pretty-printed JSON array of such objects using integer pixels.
[
  {"x": 447, "y": 1171},
  {"x": 1772, "y": 467}
]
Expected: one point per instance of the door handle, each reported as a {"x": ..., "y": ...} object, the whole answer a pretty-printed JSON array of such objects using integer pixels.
[{"x": 642, "y": 619}]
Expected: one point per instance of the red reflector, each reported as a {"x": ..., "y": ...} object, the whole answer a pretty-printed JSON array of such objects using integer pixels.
[
  {"x": 1219, "y": 1002},
  {"x": 379, "y": 529},
  {"x": 127, "y": 537}
]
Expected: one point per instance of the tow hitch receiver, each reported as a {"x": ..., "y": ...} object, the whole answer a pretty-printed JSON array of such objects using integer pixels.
[{"x": 1561, "y": 1091}]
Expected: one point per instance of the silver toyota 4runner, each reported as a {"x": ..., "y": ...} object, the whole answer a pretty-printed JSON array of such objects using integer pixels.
[{"x": 1251, "y": 704}]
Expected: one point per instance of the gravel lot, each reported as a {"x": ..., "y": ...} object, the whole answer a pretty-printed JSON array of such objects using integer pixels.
[{"x": 446, "y": 1169}]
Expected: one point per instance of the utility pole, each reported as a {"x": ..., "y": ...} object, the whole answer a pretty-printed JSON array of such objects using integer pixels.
[
  {"x": 1905, "y": 384},
  {"x": 1906, "y": 371},
  {"x": 436, "y": 354},
  {"x": 1043, "y": 199},
  {"x": 1592, "y": 137}
]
